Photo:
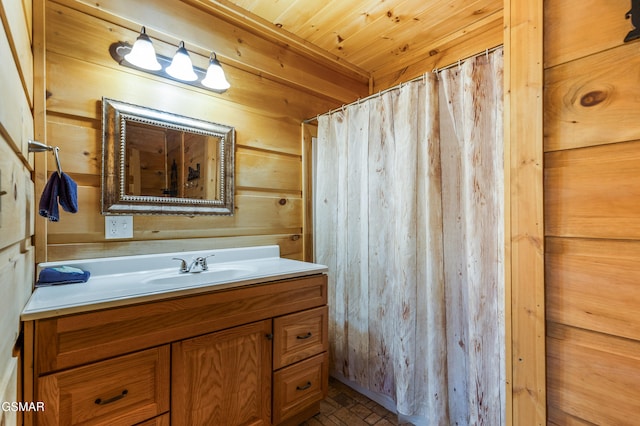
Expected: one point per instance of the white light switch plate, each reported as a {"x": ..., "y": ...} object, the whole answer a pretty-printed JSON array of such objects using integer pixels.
[{"x": 118, "y": 227}]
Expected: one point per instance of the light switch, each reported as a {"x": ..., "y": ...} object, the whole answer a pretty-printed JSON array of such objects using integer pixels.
[{"x": 118, "y": 227}]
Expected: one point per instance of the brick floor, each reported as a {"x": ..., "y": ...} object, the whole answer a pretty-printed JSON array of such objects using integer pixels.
[{"x": 346, "y": 407}]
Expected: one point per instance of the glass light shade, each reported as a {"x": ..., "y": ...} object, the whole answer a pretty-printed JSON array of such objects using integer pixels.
[
  {"x": 181, "y": 66},
  {"x": 143, "y": 55},
  {"x": 215, "y": 78}
]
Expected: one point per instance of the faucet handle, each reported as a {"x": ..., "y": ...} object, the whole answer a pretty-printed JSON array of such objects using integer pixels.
[
  {"x": 203, "y": 262},
  {"x": 183, "y": 264}
]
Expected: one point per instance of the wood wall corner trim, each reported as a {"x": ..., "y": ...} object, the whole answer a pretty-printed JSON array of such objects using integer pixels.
[
  {"x": 309, "y": 131},
  {"x": 39, "y": 120},
  {"x": 525, "y": 308}
]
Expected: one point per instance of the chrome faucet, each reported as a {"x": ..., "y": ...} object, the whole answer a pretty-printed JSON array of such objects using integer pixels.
[{"x": 200, "y": 263}]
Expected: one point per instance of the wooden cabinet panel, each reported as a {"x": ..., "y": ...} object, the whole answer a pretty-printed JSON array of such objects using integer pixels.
[
  {"x": 299, "y": 336},
  {"x": 219, "y": 370},
  {"x": 224, "y": 378},
  {"x": 119, "y": 391},
  {"x": 76, "y": 339},
  {"x": 297, "y": 386}
]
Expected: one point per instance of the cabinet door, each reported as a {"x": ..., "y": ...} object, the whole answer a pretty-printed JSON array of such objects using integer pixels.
[{"x": 223, "y": 378}]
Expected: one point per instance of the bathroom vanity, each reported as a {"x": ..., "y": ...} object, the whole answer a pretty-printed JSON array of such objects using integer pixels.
[{"x": 249, "y": 348}]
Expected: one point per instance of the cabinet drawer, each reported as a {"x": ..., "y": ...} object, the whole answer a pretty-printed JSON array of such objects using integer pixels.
[
  {"x": 299, "y": 336},
  {"x": 300, "y": 385},
  {"x": 121, "y": 391}
]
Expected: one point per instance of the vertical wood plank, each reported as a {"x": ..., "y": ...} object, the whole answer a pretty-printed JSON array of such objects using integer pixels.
[
  {"x": 524, "y": 263},
  {"x": 40, "y": 119},
  {"x": 309, "y": 132}
]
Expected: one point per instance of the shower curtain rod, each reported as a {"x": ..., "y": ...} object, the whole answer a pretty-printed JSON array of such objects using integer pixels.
[{"x": 397, "y": 86}]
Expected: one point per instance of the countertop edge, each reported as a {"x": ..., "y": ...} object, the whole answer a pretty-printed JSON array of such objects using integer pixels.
[{"x": 57, "y": 311}]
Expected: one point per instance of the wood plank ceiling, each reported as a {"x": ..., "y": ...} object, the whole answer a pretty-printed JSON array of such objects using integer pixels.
[{"x": 371, "y": 36}]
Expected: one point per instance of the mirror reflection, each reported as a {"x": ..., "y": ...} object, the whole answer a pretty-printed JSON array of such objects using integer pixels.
[
  {"x": 161, "y": 163},
  {"x": 164, "y": 162}
]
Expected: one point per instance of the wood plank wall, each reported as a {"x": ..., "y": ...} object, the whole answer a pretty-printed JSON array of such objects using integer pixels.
[
  {"x": 16, "y": 203},
  {"x": 592, "y": 213},
  {"x": 469, "y": 41},
  {"x": 273, "y": 90}
]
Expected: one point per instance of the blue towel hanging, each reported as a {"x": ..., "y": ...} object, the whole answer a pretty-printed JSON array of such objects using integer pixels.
[
  {"x": 48, "y": 206},
  {"x": 60, "y": 188},
  {"x": 68, "y": 194}
]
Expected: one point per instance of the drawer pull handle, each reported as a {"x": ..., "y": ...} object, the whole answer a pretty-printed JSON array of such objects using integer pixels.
[
  {"x": 306, "y": 336},
  {"x": 305, "y": 387},
  {"x": 101, "y": 401}
]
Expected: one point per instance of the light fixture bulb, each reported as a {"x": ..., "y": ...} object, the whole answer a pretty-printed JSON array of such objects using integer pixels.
[
  {"x": 143, "y": 55},
  {"x": 215, "y": 78},
  {"x": 181, "y": 67}
]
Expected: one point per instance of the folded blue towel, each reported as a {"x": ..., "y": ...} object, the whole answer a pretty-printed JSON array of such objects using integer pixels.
[
  {"x": 62, "y": 275},
  {"x": 60, "y": 188}
]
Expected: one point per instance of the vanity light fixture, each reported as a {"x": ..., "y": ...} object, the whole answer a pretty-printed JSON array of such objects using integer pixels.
[
  {"x": 215, "y": 78},
  {"x": 181, "y": 66},
  {"x": 141, "y": 56}
]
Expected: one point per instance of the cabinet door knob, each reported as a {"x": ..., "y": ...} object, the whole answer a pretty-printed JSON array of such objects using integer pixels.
[
  {"x": 305, "y": 336},
  {"x": 304, "y": 387},
  {"x": 101, "y": 401},
  {"x": 269, "y": 336}
]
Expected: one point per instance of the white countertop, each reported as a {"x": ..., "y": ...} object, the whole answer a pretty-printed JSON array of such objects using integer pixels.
[{"x": 120, "y": 281}]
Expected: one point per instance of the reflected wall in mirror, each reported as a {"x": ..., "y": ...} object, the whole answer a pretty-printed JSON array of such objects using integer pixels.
[{"x": 156, "y": 162}]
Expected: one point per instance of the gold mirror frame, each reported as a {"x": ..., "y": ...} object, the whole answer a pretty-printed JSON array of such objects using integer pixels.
[{"x": 115, "y": 200}]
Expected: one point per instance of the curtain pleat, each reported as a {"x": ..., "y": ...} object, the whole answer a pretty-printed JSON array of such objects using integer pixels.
[
  {"x": 358, "y": 248},
  {"x": 472, "y": 164},
  {"x": 409, "y": 221}
]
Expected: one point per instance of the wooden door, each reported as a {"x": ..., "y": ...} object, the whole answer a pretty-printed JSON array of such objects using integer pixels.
[{"x": 223, "y": 378}]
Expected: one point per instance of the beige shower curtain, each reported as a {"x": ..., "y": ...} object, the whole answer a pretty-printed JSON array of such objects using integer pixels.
[{"x": 408, "y": 218}]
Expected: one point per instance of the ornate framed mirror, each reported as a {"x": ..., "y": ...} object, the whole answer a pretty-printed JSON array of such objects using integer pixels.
[{"x": 155, "y": 162}]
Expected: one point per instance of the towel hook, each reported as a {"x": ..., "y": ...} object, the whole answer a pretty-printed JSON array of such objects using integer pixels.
[{"x": 55, "y": 153}]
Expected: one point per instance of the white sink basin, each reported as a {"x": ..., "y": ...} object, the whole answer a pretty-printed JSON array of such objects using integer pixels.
[
  {"x": 118, "y": 281},
  {"x": 215, "y": 274}
]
